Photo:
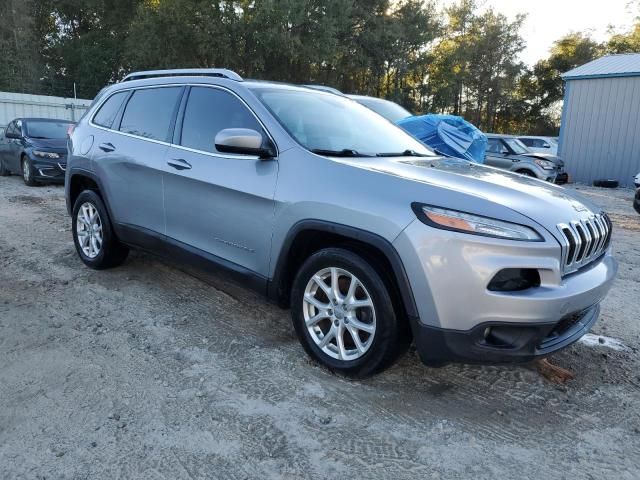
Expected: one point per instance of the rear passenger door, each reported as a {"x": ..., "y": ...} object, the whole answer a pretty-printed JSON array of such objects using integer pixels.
[
  {"x": 129, "y": 152},
  {"x": 219, "y": 203}
]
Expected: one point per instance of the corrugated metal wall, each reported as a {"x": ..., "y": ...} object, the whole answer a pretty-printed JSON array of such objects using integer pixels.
[
  {"x": 16, "y": 105},
  {"x": 600, "y": 134}
]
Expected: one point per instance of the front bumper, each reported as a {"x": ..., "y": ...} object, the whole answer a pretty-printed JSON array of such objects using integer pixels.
[
  {"x": 502, "y": 343},
  {"x": 49, "y": 170},
  {"x": 562, "y": 178},
  {"x": 449, "y": 274}
]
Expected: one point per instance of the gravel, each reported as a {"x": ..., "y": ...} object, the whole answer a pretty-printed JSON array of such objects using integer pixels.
[{"x": 155, "y": 371}]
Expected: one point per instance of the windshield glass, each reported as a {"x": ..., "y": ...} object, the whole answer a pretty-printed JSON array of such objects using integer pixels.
[
  {"x": 323, "y": 121},
  {"x": 389, "y": 110},
  {"x": 517, "y": 146},
  {"x": 44, "y": 129}
]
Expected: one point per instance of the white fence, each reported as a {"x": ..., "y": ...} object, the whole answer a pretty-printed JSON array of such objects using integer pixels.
[{"x": 20, "y": 105}]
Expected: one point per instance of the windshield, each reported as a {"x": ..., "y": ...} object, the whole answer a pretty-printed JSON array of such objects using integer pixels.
[
  {"x": 517, "y": 146},
  {"x": 47, "y": 129},
  {"x": 330, "y": 123},
  {"x": 389, "y": 110}
]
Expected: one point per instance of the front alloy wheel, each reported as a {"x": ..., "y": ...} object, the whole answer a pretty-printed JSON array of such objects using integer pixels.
[
  {"x": 339, "y": 314},
  {"x": 27, "y": 172},
  {"x": 344, "y": 315}
]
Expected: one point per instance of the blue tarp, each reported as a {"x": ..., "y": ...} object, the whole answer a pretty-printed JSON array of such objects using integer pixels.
[{"x": 450, "y": 135}]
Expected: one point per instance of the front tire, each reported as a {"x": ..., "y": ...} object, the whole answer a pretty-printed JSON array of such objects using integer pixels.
[
  {"x": 27, "y": 171},
  {"x": 93, "y": 235},
  {"x": 343, "y": 314}
]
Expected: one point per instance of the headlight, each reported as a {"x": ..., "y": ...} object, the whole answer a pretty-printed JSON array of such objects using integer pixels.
[
  {"x": 39, "y": 153},
  {"x": 474, "y": 224},
  {"x": 545, "y": 164}
]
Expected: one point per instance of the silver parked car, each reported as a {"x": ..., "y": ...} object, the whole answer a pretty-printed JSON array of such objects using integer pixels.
[
  {"x": 508, "y": 152},
  {"x": 327, "y": 208}
]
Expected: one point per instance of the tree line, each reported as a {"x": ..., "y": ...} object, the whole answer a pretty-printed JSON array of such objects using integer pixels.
[{"x": 462, "y": 59}]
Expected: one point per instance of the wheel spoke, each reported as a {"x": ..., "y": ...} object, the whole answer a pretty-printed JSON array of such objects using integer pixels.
[
  {"x": 340, "y": 342},
  {"x": 330, "y": 335},
  {"x": 352, "y": 290},
  {"x": 365, "y": 327},
  {"x": 315, "y": 302},
  {"x": 316, "y": 318},
  {"x": 326, "y": 289},
  {"x": 356, "y": 338},
  {"x": 361, "y": 303},
  {"x": 335, "y": 287}
]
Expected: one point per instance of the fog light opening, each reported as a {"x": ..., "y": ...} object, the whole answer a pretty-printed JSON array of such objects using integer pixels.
[{"x": 514, "y": 280}]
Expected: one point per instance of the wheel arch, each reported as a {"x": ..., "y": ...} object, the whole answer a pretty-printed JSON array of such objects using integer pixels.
[
  {"x": 309, "y": 236},
  {"x": 80, "y": 180}
]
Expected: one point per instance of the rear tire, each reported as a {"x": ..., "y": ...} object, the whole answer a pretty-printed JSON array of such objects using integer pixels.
[
  {"x": 93, "y": 235},
  {"x": 27, "y": 171},
  {"x": 343, "y": 314}
]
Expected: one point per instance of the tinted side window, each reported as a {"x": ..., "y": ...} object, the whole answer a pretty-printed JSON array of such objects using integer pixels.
[
  {"x": 10, "y": 128},
  {"x": 149, "y": 112},
  {"x": 210, "y": 110},
  {"x": 529, "y": 142},
  {"x": 109, "y": 109},
  {"x": 494, "y": 146}
]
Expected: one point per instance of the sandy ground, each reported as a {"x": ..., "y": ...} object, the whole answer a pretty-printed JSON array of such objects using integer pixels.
[{"x": 150, "y": 371}]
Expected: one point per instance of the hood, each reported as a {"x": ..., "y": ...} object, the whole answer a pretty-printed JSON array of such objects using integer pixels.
[
  {"x": 543, "y": 202},
  {"x": 58, "y": 145},
  {"x": 545, "y": 156}
]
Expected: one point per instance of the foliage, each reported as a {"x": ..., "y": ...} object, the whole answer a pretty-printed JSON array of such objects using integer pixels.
[{"x": 462, "y": 60}]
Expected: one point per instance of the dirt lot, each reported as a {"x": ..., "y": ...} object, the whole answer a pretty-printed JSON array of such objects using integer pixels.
[{"x": 150, "y": 371}]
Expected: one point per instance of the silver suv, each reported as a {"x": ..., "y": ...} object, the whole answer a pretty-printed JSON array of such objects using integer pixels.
[{"x": 327, "y": 208}]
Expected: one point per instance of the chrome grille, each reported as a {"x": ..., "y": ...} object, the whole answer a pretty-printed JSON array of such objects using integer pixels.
[{"x": 584, "y": 241}]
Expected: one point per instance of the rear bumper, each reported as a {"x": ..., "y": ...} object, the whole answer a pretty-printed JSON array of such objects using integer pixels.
[{"x": 501, "y": 343}]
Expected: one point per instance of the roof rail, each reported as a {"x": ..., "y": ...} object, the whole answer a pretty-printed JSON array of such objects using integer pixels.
[{"x": 185, "y": 72}]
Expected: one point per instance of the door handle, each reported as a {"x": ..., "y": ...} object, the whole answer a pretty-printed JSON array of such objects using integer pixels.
[
  {"x": 107, "y": 147},
  {"x": 179, "y": 164}
]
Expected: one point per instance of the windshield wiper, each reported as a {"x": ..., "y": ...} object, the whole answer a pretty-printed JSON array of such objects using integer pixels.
[
  {"x": 345, "y": 152},
  {"x": 406, "y": 153}
]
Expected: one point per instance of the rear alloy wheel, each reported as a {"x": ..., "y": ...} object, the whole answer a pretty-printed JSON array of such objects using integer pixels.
[
  {"x": 27, "y": 172},
  {"x": 343, "y": 314},
  {"x": 93, "y": 237}
]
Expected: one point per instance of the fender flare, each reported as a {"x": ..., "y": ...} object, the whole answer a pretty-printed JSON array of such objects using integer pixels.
[{"x": 353, "y": 233}]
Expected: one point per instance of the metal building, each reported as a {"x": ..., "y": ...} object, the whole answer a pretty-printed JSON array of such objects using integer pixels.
[
  {"x": 17, "y": 105},
  {"x": 600, "y": 130}
]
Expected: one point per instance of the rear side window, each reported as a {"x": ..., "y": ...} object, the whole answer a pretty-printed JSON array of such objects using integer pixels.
[
  {"x": 210, "y": 110},
  {"x": 529, "y": 142},
  {"x": 149, "y": 112},
  {"x": 494, "y": 146},
  {"x": 109, "y": 109}
]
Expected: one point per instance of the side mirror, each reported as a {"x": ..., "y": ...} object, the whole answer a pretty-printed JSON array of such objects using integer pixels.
[
  {"x": 546, "y": 145},
  {"x": 244, "y": 141},
  {"x": 11, "y": 135}
]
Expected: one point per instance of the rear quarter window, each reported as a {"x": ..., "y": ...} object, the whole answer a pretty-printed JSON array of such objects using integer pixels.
[{"x": 109, "y": 110}]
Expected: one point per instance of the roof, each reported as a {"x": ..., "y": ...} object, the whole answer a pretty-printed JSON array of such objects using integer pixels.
[{"x": 623, "y": 65}]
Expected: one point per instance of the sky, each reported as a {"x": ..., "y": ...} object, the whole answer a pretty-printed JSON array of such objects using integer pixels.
[{"x": 548, "y": 20}]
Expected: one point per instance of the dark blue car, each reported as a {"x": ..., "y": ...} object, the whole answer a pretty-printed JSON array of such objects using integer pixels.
[{"x": 36, "y": 149}]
